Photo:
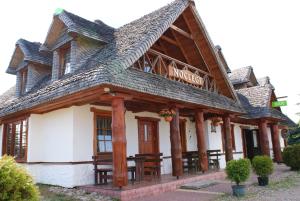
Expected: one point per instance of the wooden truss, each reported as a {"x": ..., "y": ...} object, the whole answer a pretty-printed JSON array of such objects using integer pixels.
[{"x": 158, "y": 63}]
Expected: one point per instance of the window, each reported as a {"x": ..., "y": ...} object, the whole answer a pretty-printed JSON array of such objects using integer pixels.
[
  {"x": 65, "y": 65},
  {"x": 104, "y": 134},
  {"x": 15, "y": 139},
  {"x": 23, "y": 81}
]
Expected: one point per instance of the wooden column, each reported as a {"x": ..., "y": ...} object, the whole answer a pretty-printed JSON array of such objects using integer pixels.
[
  {"x": 263, "y": 137},
  {"x": 201, "y": 140},
  {"x": 228, "y": 140},
  {"x": 119, "y": 143},
  {"x": 276, "y": 143},
  {"x": 176, "y": 150}
]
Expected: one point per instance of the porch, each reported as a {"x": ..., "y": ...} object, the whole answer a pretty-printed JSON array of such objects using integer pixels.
[{"x": 152, "y": 187}]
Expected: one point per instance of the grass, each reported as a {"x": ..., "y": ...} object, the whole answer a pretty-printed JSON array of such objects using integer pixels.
[
  {"x": 285, "y": 183},
  {"x": 51, "y": 196}
]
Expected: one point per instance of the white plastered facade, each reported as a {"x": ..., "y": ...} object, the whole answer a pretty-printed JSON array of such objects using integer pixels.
[{"x": 59, "y": 139}]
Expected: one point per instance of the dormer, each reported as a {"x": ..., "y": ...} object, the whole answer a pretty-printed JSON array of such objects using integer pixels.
[
  {"x": 29, "y": 65},
  {"x": 72, "y": 39},
  {"x": 243, "y": 78}
]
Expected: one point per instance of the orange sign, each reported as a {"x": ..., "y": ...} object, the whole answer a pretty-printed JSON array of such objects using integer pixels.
[{"x": 185, "y": 75}]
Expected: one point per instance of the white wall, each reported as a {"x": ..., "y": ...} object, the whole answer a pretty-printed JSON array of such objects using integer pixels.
[
  {"x": 50, "y": 136},
  {"x": 215, "y": 141},
  {"x": 1, "y": 137}
]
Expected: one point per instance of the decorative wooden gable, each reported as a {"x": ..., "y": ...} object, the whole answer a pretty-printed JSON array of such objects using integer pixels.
[{"x": 185, "y": 53}]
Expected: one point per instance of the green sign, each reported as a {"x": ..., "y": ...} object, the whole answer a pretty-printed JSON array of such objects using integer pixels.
[{"x": 279, "y": 103}]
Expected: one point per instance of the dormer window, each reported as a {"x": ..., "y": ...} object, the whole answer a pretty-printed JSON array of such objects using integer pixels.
[
  {"x": 65, "y": 61},
  {"x": 23, "y": 81}
]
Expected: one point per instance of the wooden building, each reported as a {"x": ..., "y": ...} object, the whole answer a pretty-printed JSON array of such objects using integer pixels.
[{"x": 93, "y": 90}]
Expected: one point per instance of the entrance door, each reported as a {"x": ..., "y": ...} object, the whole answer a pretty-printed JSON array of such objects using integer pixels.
[
  {"x": 251, "y": 143},
  {"x": 148, "y": 136}
]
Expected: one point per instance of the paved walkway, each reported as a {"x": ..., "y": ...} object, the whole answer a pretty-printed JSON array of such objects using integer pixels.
[{"x": 223, "y": 187}]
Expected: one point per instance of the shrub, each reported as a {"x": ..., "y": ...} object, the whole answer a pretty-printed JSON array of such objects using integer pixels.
[
  {"x": 15, "y": 183},
  {"x": 291, "y": 156},
  {"x": 238, "y": 170},
  {"x": 262, "y": 165}
]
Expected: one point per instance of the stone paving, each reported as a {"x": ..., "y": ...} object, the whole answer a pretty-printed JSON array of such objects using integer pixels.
[{"x": 284, "y": 185}]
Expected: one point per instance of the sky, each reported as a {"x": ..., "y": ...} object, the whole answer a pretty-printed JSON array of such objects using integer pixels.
[{"x": 262, "y": 34}]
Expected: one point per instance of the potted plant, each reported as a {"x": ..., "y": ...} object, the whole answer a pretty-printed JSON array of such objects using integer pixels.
[
  {"x": 263, "y": 167},
  {"x": 167, "y": 114},
  {"x": 238, "y": 171},
  {"x": 216, "y": 120}
]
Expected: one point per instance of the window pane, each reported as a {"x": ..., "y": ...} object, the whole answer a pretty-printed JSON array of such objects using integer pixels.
[
  {"x": 108, "y": 137},
  {"x": 108, "y": 146},
  {"x": 145, "y": 132},
  {"x": 101, "y": 145}
]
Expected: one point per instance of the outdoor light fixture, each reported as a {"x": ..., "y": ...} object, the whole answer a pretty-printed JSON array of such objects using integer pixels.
[
  {"x": 106, "y": 89},
  {"x": 213, "y": 128}
]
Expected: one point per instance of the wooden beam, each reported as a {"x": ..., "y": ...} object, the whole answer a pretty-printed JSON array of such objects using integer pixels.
[
  {"x": 120, "y": 177},
  {"x": 176, "y": 150},
  {"x": 228, "y": 140},
  {"x": 276, "y": 143},
  {"x": 201, "y": 140},
  {"x": 182, "y": 32},
  {"x": 169, "y": 40},
  {"x": 181, "y": 47},
  {"x": 263, "y": 137}
]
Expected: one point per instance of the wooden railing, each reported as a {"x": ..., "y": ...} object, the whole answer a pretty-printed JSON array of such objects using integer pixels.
[{"x": 158, "y": 63}]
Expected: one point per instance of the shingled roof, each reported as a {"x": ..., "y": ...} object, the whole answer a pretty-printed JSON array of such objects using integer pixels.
[
  {"x": 97, "y": 30},
  {"x": 265, "y": 81},
  {"x": 256, "y": 101},
  {"x": 240, "y": 75},
  {"x": 7, "y": 97},
  {"x": 31, "y": 53},
  {"x": 110, "y": 65}
]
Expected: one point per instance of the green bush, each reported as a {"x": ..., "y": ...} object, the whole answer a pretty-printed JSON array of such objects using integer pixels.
[
  {"x": 15, "y": 183},
  {"x": 262, "y": 165},
  {"x": 238, "y": 170},
  {"x": 291, "y": 156}
]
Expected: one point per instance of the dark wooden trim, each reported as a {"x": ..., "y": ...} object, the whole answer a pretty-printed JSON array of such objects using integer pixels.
[
  {"x": 244, "y": 141},
  {"x": 100, "y": 111},
  {"x": 182, "y": 32},
  {"x": 58, "y": 163},
  {"x": 147, "y": 118},
  {"x": 14, "y": 119},
  {"x": 235, "y": 152},
  {"x": 4, "y": 139}
]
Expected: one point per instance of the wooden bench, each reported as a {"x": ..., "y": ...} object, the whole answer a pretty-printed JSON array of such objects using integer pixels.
[
  {"x": 213, "y": 158},
  {"x": 152, "y": 164},
  {"x": 102, "y": 174},
  {"x": 190, "y": 161}
]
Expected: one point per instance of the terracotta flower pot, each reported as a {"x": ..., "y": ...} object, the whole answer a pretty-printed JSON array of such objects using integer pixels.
[{"x": 168, "y": 118}]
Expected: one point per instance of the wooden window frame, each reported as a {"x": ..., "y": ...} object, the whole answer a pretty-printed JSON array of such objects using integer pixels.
[
  {"x": 12, "y": 146},
  {"x": 62, "y": 57},
  {"x": 97, "y": 113},
  {"x": 23, "y": 81}
]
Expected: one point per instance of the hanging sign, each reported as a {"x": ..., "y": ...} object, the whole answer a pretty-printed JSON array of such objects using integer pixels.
[
  {"x": 279, "y": 103},
  {"x": 185, "y": 75}
]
